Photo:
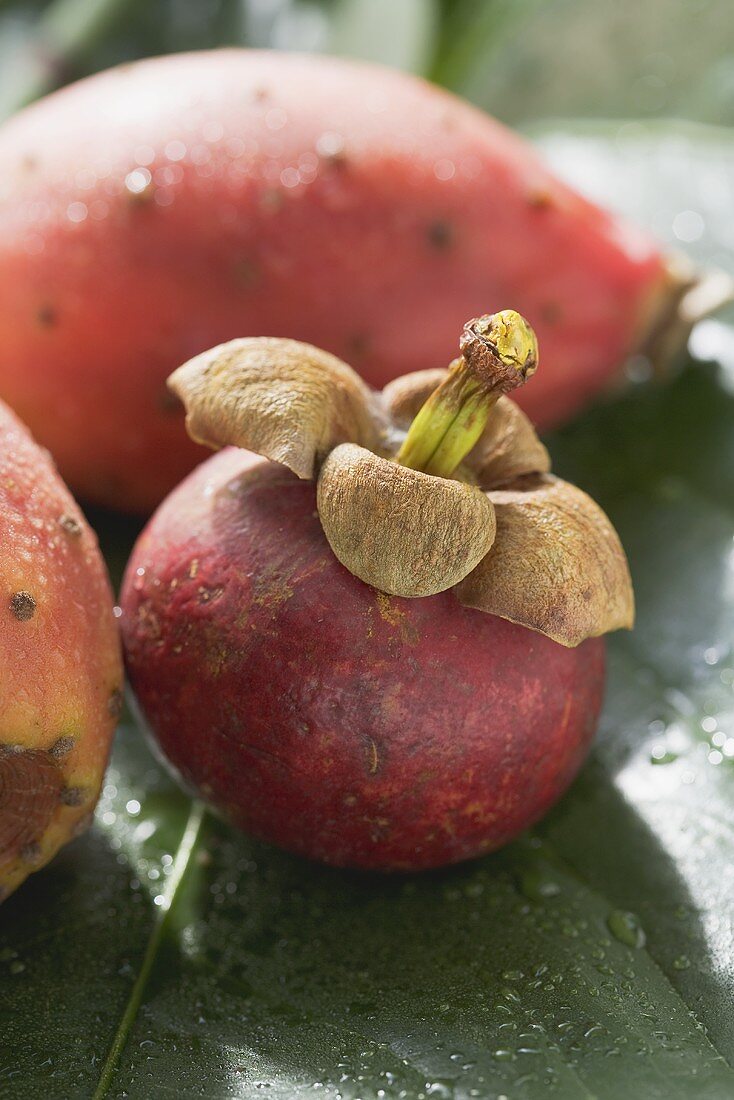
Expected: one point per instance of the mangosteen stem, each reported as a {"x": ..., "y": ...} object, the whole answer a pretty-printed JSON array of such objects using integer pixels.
[{"x": 499, "y": 352}]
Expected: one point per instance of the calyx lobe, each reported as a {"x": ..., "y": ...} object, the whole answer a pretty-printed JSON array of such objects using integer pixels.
[{"x": 496, "y": 526}]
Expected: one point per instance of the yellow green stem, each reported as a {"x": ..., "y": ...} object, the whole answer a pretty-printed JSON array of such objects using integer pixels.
[
  {"x": 449, "y": 424},
  {"x": 499, "y": 353}
]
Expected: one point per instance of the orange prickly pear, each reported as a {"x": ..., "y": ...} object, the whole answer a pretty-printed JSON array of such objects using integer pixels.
[{"x": 60, "y": 666}]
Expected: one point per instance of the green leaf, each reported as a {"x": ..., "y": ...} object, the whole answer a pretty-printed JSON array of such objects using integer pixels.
[
  {"x": 166, "y": 955},
  {"x": 53, "y": 41},
  {"x": 536, "y": 59}
]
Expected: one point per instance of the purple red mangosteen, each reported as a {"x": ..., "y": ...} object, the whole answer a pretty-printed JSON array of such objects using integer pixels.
[{"x": 368, "y": 630}]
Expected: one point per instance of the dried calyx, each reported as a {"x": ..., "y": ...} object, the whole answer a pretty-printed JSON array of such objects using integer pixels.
[{"x": 438, "y": 482}]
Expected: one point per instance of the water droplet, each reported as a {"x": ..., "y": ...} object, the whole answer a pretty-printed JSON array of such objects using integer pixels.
[
  {"x": 175, "y": 150},
  {"x": 688, "y": 226},
  {"x": 169, "y": 175},
  {"x": 659, "y": 754},
  {"x": 76, "y": 212},
  {"x": 138, "y": 181},
  {"x": 682, "y": 962},
  {"x": 537, "y": 886},
  {"x": 444, "y": 169},
  {"x": 144, "y": 831},
  {"x": 144, "y": 155},
  {"x": 85, "y": 179},
  {"x": 276, "y": 118},
  {"x": 290, "y": 177},
  {"x": 330, "y": 145},
  {"x": 626, "y": 927},
  {"x": 504, "y": 1055},
  {"x": 439, "y": 1089},
  {"x": 213, "y": 131},
  {"x": 639, "y": 369}
]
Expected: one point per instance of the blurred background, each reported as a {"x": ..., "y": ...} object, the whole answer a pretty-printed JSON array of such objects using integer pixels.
[{"x": 524, "y": 60}]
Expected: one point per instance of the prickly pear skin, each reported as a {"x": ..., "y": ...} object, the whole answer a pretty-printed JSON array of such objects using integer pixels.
[
  {"x": 321, "y": 715},
  {"x": 160, "y": 208},
  {"x": 60, "y": 660}
]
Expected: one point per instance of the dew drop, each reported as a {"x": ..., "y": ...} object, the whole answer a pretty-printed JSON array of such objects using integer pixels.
[
  {"x": 444, "y": 170},
  {"x": 512, "y": 975},
  {"x": 144, "y": 831},
  {"x": 137, "y": 181},
  {"x": 144, "y": 155},
  {"x": 659, "y": 754},
  {"x": 85, "y": 179},
  {"x": 688, "y": 226},
  {"x": 537, "y": 886},
  {"x": 330, "y": 145},
  {"x": 76, "y": 212},
  {"x": 639, "y": 369},
  {"x": 175, "y": 150},
  {"x": 626, "y": 927},
  {"x": 290, "y": 177},
  {"x": 213, "y": 131},
  {"x": 276, "y": 118},
  {"x": 439, "y": 1089}
]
